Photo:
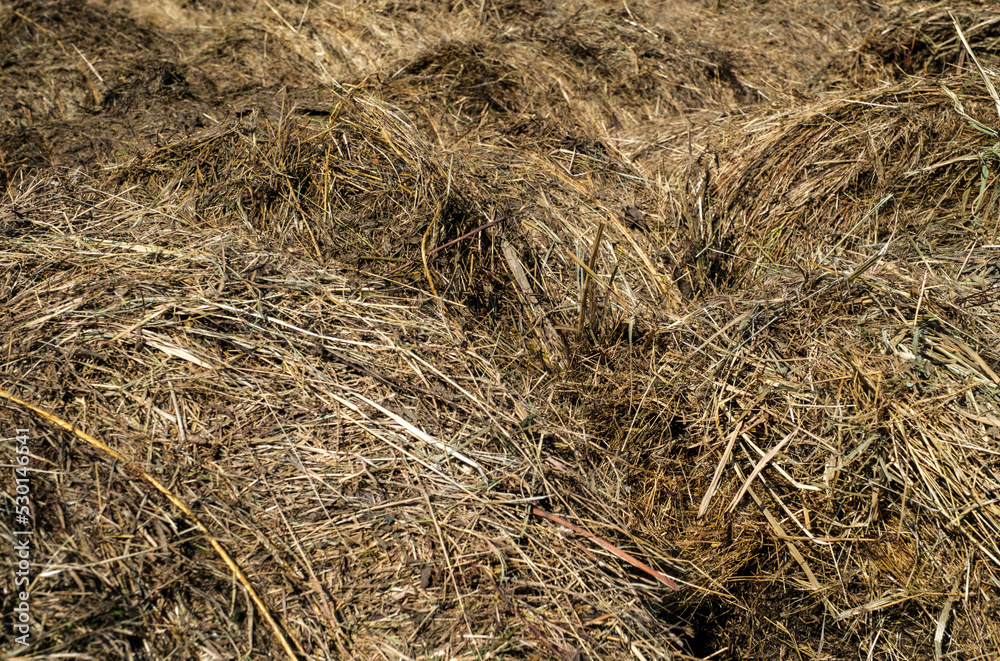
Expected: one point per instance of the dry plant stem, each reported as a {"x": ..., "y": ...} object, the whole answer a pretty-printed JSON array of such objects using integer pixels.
[
  {"x": 418, "y": 433},
  {"x": 433, "y": 252},
  {"x": 178, "y": 503},
  {"x": 607, "y": 546},
  {"x": 586, "y": 280},
  {"x": 757, "y": 469},
  {"x": 543, "y": 327},
  {"x": 423, "y": 255},
  {"x": 942, "y": 622}
]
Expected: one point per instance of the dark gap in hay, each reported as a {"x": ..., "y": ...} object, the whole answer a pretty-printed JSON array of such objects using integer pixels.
[
  {"x": 66, "y": 64},
  {"x": 48, "y": 77},
  {"x": 151, "y": 83},
  {"x": 238, "y": 62},
  {"x": 539, "y": 133},
  {"x": 476, "y": 78},
  {"x": 708, "y": 623},
  {"x": 640, "y": 69},
  {"x": 22, "y": 152},
  {"x": 517, "y": 11}
]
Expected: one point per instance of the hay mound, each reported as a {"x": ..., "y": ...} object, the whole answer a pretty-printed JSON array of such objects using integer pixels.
[
  {"x": 850, "y": 174},
  {"x": 914, "y": 43}
]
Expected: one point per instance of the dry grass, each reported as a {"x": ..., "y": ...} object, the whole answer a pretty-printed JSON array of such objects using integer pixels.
[{"x": 473, "y": 331}]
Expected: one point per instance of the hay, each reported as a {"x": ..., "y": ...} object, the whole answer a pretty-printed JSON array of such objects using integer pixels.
[
  {"x": 914, "y": 43},
  {"x": 502, "y": 330},
  {"x": 849, "y": 174}
]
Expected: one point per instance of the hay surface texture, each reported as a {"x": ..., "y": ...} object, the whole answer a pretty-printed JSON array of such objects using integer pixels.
[{"x": 503, "y": 330}]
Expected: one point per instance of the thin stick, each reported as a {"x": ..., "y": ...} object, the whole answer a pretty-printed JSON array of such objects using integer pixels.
[
  {"x": 427, "y": 438},
  {"x": 89, "y": 65},
  {"x": 423, "y": 255},
  {"x": 757, "y": 469},
  {"x": 607, "y": 546},
  {"x": 442, "y": 247}
]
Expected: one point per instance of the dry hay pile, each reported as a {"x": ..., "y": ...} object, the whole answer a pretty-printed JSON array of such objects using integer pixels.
[
  {"x": 200, "y": 340},
  {"x": 512, "y": 330},
  {"x": 913, "y": 41}
]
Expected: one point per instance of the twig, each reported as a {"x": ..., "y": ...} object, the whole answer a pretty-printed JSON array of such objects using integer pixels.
[
  {"x": 607, "y": 546},
  {"x": 443, "y": 246}
]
